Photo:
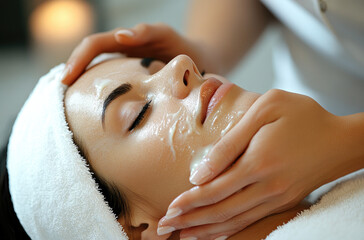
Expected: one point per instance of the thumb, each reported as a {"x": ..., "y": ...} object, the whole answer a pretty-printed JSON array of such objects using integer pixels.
[{"x": 232, "y": 145}]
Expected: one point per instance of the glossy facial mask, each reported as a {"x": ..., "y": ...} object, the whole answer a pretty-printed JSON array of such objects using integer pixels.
[
  {"x": 100, "y": 84},
  {"x": 179, "y": 124},
  {"x": 199, "y": 155},
  {"x": 232, "y": 120},
  {"x": 84, "y": 103}
]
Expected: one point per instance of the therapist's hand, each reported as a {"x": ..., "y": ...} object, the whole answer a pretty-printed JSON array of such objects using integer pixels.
[
  {"x": 144, "y": 40},
  {"x": 284, "y": 147}
]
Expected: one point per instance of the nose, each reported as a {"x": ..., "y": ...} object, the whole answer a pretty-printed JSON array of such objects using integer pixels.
[{"x": 183, "y": 76}]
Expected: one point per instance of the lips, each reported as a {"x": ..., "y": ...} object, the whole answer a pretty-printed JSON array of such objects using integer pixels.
[{"x": 211, "y": 93}]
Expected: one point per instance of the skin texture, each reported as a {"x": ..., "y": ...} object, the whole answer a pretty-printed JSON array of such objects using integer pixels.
[
  {"x": 285, "y": 146},
  {"x": 279, "y": 133},
  {"x": 122, "y": 157},
  {"x": 151, "y": 183}
]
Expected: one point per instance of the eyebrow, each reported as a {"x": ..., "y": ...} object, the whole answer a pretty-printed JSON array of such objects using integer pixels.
[{"x": 117, "y": 92}]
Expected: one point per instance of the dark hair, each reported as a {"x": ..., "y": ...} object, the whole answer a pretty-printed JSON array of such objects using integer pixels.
[
  {"x": 10, "y": 227},
  {"x": 116, "y": 200}
]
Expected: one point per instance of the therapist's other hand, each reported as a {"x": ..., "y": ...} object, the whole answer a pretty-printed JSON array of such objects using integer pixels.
[
  {"x": 144, "y": 40},
  {"x": 284, "y": 147}
]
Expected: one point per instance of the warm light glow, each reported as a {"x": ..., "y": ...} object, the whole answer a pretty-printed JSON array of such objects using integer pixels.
[{"x": 61, "y": 21}]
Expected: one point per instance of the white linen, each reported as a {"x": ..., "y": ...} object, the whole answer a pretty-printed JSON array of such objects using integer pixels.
[
  {"x": 338, "y": 215},
  {"x": 51, "y": 187}
]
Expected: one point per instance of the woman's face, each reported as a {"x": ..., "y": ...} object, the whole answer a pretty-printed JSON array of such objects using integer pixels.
[{"x": 154, "y": 126}]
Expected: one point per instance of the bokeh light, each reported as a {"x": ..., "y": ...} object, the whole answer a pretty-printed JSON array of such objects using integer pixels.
[{"x": 61, "y": 21}]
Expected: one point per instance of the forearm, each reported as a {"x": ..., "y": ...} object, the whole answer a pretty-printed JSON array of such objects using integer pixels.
[{"x": 226, "y": 30}]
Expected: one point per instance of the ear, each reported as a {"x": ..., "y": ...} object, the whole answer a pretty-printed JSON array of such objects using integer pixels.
[{"x": 143, "y": 227}]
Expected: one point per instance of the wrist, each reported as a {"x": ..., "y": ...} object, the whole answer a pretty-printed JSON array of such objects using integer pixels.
[
  {"x": 207, "y": 57},
  {"x": 352, "y": 138}
]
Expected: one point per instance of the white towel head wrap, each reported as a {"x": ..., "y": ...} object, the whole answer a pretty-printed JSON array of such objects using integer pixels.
[{"x": 52, "y": 189}]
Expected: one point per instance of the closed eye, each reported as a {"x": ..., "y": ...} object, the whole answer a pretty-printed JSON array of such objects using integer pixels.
[{"x": 141, "y": 116}]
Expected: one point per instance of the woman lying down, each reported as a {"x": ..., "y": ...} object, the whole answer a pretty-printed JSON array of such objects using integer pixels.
[{"x": 104, "y": 158}]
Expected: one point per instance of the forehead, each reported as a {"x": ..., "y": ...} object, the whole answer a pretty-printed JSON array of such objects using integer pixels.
[
  {"x": 115, "y": 70},
  {"x": 84, "y": 99}
]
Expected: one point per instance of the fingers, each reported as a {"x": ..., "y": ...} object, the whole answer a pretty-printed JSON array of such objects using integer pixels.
[
  {"x": 142, "y": 34},
  {"x": 230, "y": 226},
  {"x": 221, "y": 211},
  {"x": 232, "y": 145},
  {"x": 118, "y": 40},
  {"x": 87, "y": 50},
  {"x": 230, "y": 182}
]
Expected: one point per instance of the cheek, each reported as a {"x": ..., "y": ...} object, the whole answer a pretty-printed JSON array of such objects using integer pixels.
[
  {"x": 156, "y": 156},
  {"x": 149, "y": 171}
]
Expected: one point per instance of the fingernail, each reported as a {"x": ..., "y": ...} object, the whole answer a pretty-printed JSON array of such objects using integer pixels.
[
  {"x": 173, "y": 212},
  {"x": 221, "y": 238},
  {"x": 65, "y": 72},
  {"x": 165, "y": 230},
  {"x": 189, "y": 238},
  {"x": 200, "y": 173},
  {"x": 125, "y": 32}
]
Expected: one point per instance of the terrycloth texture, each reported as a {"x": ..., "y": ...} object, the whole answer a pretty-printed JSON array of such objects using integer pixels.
[
  {"x": 338, "y": 215},
  {"x": 52, "y": 189}
]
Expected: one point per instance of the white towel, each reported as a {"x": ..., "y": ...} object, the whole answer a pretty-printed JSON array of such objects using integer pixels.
[
  {"x": 339, "y": 215},
  {"x": 51, "y": 187}
]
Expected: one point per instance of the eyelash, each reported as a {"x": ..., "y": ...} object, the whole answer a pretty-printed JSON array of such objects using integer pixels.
[{"x": 141, "y": 116}]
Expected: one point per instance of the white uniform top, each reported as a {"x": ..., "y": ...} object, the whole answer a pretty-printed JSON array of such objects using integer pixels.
[{"x": 322, "y": 54}]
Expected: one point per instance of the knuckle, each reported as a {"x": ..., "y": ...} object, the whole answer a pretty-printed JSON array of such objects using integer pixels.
[
  {"x": 212, "y": 198},
  {"x": 181, "y": 223},
  {"x": 276, "y": 95},
  {"x": 258, "y": 166},
  {"x": 271, "y": 102},
  {"x": 143, "y": 27},
  {"x": 88, "y": 41},
  {"x": 220, "y": 216},
  {"x": 224, "y": 148},
  {"x": 274, "y": 99},
  {"x": 188, "y": 197},
  {"x": 277, "y": 188},
  {"x": 239, "y": 223}
]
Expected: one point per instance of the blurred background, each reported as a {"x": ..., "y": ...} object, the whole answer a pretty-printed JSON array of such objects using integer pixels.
[{"x": 36, "y": 35}]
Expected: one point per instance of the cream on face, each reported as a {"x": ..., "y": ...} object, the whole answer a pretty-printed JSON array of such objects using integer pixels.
[
  {"x": 199, "y": 155},
  {"x": 85, "y": 104},
  {"x": 169, "y": 140},
  {"x": 100, "y": 84}
]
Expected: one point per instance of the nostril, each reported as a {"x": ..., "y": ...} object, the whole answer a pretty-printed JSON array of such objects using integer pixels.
[{"x": 185, "y": 77}]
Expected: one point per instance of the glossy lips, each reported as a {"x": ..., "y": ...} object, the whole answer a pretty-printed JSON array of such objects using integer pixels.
[{"x": 211, "y": 92}]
